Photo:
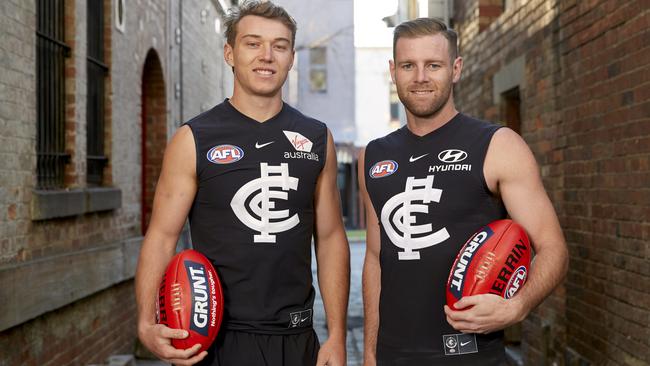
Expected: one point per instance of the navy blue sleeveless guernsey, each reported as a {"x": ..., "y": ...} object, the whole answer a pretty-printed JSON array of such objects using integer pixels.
[
  {"x": 253, "y": 214},
  {"x": 430, "y": 195}
]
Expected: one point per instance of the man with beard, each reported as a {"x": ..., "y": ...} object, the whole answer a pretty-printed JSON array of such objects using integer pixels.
[
  {"x": 253, "y": 206},
  {"x": 427, "y": 187}
]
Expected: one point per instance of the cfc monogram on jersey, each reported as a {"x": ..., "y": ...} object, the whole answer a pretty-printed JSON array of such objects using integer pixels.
[
  {"x": 258, "y": 214},
  {"x": 398, "y": 218}
]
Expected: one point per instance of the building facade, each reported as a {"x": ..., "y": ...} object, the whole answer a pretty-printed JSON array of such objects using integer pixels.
[{"x": 90, "y": 92}]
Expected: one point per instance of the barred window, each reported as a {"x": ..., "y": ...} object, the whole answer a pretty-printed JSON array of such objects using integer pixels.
[
  {"x": 97, "y": 71},
  {"x": 51, "y": 52}
]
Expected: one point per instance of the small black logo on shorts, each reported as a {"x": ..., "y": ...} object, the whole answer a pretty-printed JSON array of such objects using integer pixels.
[
  {"x": 458, "y": 344},
  {"x": 300, "y": 319}
]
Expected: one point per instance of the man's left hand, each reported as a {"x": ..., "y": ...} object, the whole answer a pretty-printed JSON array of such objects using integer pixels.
[
  {"x": 484, "y": 313},
  {"x": 332, "y": 353}
]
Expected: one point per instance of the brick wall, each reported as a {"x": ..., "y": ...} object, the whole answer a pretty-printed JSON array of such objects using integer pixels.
[
  {"x": 585, "y": 105},
  {"x": 83, "y": 264},
  {"x": 17, "y": 130},
  {"x": 606, "y": 121}
]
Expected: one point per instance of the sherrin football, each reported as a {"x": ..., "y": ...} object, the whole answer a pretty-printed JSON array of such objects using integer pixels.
[
  {"x": 495, "y": 260},
  {"x": 190, "y": 298}
]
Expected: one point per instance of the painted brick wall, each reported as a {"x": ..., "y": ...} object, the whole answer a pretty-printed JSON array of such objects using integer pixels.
[{"x": 103, "y": 323}]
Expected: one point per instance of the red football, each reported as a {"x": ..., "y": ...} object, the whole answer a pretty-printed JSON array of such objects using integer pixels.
[
  {"x": 190, "y": 298},
  {"x": 495, "y": 260}
]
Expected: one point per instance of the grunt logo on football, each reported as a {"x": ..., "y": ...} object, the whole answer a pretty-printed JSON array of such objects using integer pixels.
[
  {"x": 200, "y": 291},
  {"x": 225, "y": 154},
  {"x": 516, "y": 281},
  {"x": 465, "y": 257},
  {"x": 383, "y": 169}
]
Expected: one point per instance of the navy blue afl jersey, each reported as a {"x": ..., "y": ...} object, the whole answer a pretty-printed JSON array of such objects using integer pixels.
[
  {"x": 253, "y": 214},
  {"x": 430, "y": 196}
]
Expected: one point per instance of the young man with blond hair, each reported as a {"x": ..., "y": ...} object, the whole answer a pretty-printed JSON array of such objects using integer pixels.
[{"x": 257, "y": 179}]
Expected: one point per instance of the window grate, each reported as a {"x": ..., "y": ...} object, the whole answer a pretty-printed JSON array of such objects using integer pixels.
[
  {"x": 97, "y": 71},
  {"x": 51, "y": 52}
]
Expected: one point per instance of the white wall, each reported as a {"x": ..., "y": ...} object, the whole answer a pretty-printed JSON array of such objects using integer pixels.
[{"x": 373, "y": 92}]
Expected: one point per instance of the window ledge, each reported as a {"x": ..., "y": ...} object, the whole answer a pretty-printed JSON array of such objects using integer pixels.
[{"x": 53, "y": 204}]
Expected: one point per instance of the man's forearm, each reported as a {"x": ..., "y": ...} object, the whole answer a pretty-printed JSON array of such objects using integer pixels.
[
  {"x": 548, "y": 270},
  {"x": 151, "y": 265},
  {"x": 371, "y": 290},
  {"x": 333, "y": 257}
]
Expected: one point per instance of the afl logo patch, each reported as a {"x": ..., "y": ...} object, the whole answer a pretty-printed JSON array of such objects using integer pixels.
[
  {"x": 516, "y": 281},
  {"x": 452, "y": 156},
  {"x": 225, "y": 154},
  {"x": 383, "y": 169}
]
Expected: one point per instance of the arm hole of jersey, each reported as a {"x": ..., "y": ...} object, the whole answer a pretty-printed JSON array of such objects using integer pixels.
[
  {"x": 366, "y": 177},
  {"x": 327, "y": 141},
  {"x": 196, "y": 151},
  {"x": 487, "y": 148}
]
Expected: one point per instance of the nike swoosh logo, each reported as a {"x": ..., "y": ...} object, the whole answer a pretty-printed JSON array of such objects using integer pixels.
[
  {"x": 259, "y": 146},
  {"x": 412, "y": 159},
  {"x": 466, "y": 343}
]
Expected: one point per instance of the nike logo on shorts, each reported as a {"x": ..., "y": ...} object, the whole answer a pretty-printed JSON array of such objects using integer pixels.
[
  {"x": 259, "y": 146},
  {"x": 412, "y": 159}
]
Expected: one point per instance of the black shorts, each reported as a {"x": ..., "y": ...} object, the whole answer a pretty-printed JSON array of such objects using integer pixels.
[
  {"x": 236, "y": 348},
  {"x": 494, "y": 357}
]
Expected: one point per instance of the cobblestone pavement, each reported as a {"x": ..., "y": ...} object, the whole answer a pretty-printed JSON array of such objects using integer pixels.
[{"x": 355, "y": 308}]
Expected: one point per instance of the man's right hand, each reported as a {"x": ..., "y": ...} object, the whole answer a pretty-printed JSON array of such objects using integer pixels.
[{"x": 158, "y": 339}]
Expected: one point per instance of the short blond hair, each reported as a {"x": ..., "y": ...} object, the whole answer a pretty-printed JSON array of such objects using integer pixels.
[
  {"x": 426, "y": 27},
  {"x": 264, "y": 9}
]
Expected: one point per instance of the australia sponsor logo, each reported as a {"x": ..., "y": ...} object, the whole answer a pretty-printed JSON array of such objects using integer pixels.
[
  {"x": 302, "y": 146},
  {"x": 225, "y": 154},
  {"x": 452, "y": 159}
]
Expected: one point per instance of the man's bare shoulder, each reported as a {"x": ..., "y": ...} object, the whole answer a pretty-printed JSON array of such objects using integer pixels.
[
  {"x": 180, "y": 154},
  {"x": 508, "y": 156}
]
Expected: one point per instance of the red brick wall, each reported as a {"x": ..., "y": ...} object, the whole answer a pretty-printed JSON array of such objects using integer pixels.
[
  {"x": 586, "y": 115},
  {"x": 606, "y": 115}
]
